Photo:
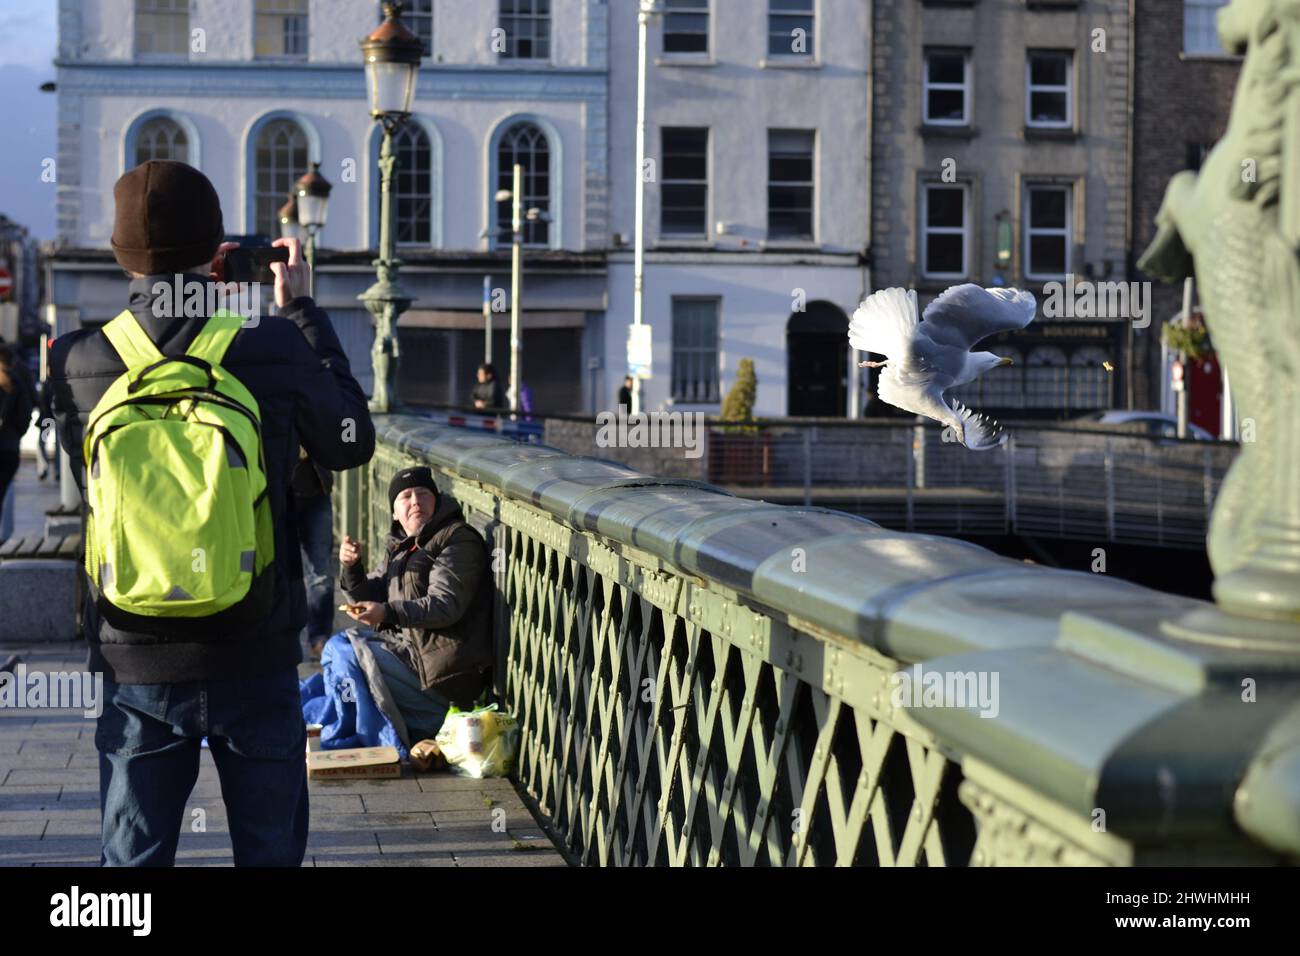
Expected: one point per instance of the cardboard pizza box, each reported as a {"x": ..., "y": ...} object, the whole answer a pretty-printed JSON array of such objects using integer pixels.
[{"x": 354, "y": 763}]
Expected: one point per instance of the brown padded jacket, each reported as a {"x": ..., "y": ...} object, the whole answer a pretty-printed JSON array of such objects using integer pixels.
[{"x": 437, "y": 587}]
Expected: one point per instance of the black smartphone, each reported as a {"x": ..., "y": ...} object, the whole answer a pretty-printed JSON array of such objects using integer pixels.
[{"x": 253, "y": 265}]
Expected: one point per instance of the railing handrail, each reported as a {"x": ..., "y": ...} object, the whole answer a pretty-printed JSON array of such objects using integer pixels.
[
  {"x": 713, "y": 422},
  {"x": 1101, "y": 706}
]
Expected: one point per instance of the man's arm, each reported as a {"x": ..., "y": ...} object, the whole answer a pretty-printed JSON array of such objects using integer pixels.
[
  {"x": 352, "y": 579},
  {"x": 453, "y": 581},
  {"x": 354, "y": 582},
  {"x": 331, "y": 413}
]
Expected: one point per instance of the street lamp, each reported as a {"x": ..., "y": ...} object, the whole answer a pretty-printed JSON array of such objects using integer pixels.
[
  {"x": 312, "y": 193},
  {"x": 517, "y": 218},
  {"x": 648, "y": 8},
  {"x": 392, "y": 55}
]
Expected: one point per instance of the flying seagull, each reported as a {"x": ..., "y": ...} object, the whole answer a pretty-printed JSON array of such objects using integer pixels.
[{"x": 925, "y": 355}]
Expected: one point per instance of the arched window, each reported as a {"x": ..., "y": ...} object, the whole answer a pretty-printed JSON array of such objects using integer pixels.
[
  {"x": 526, "y": 144},
  {"x": 1045, "y": 378},
  {"x": 1089, "y": 380},
  {"x": 413, "y": 186},
  {"x": 1000, "y": 387},
  {"x": 161, "y": 138},
  {"x": 280, "y": 156},
  {"x": 1004, "y": 387}
]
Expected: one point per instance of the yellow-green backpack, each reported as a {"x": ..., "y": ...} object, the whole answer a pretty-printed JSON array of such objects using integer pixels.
[{"x": 179, "y": 523}]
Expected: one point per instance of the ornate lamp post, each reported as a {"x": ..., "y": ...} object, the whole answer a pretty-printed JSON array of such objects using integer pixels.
[
  {"x": 312, "y": 195},
  {"x": 392, "y": 57}
]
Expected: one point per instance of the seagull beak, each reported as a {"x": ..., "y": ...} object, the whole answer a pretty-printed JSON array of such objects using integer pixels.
[{"x": 1006, "y": 361}]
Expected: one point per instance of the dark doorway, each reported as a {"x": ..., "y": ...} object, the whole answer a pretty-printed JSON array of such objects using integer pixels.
[{"x": 817, "y": 360}]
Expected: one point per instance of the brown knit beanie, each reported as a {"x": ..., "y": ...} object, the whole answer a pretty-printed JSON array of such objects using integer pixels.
[{"x": 168, "y": 218}]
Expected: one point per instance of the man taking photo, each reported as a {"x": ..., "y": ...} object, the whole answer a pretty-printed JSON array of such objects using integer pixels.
[{"x": 196, "y": 604}]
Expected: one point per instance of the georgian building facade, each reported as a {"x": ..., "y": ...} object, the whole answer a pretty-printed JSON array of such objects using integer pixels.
[
  {"x": 1000, "y": 146},
  {"x": 254, "y": 91},
  {"x": 756, "y": 231},
  {"x": 758, "y": 172}
]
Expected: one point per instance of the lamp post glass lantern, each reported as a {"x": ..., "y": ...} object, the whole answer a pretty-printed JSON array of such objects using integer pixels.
[
  {"x": 312, "y": 191},
  {"x": 392, "y": 55},
  {"x": 311, "y": 194}
]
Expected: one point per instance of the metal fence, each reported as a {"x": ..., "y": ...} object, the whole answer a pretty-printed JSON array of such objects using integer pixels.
[
  {"x": 1043, "y": 481},
  {"x": 706, "y": 680}
]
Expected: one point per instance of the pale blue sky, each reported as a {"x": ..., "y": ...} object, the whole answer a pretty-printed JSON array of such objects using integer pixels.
[{"x": 28, "y": 42}]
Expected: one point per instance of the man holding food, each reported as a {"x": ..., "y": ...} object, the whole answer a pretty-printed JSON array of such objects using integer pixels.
[{"x": 430, "y": 601}]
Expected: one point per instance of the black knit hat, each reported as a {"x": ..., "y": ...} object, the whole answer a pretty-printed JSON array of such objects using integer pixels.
[
  {"x": 420, "y": 477},
  {"x": 168, "y": 218}
]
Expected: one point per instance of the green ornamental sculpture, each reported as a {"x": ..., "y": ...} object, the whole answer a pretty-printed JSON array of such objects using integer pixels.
[{"x": 1237, "y": 225}]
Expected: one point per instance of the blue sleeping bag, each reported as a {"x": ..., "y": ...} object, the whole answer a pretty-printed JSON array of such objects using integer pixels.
[{"x": 342, "y": 700}]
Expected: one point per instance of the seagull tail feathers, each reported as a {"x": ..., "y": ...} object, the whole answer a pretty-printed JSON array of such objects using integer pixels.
[
  {"x": 884, "y": 323},
  {"x": 980, "y": 432}
]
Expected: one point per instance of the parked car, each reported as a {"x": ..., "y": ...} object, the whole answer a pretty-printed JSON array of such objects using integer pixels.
[{"x": 1155, "y": 424}]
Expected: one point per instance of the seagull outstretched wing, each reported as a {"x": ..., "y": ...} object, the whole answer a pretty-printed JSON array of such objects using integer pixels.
[
  {"x": 885, "y": 323},
  {"x": 965, "y": 314},
  {"x": 930, "y": 354}
]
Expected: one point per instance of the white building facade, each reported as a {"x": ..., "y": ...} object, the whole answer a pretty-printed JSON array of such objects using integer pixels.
[
  {"x": 253, "y": 91},
  {"x": 757, "y": 222},
  {"x": 756, "y": 207}
]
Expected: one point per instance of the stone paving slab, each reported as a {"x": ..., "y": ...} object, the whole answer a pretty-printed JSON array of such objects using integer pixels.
[{"x": 49, "y": 803}]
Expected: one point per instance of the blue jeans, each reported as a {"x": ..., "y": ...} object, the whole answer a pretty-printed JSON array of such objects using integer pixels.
[
  {"x": 315, "y": 534},
  {"x": 423, "y": 710},
  {"x": 148, "y": 740}
]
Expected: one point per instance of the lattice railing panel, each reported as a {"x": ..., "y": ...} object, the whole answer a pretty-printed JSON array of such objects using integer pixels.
[{"x": 660, "y": 726}]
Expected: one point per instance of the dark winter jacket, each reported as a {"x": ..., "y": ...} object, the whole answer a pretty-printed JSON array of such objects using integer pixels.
[
  {"x": 437, "y": 585},
  {"x": 490, "y": 392},
  {"x": 16, "y": 407},
  {"x": 310, "y": 480},
  {"x": 297, "y": 371}
]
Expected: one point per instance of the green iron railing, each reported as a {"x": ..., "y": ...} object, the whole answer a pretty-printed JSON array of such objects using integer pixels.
[{"x": 707, "y": 680}]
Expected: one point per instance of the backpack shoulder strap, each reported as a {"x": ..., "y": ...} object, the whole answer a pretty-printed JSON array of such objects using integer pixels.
[
  {"x": 215, "y": 337},
  {"x": 131, "y": 341}
]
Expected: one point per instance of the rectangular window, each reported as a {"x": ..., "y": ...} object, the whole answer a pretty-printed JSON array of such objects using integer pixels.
[
  {"x": 1200, "y": 33},
  {"x": 686, "y": 26},
  {"x": 162, "y": 27},
  {"x": 684, "y": 190},
  {"x": 280, "y": 28},
  {"x": 1048, "y": 89},
  {"x": 790, "y": 192},
  {"x": 946, "y": 99},
  {"x": 1047, "y": 231},
  {"x": 790, "y": 28},
  {"x": 527, "y": 26},
  {"x": 418, "y": 17},
  {"x": 695, "y": 350},
  {"x": 945, "y": 231}
]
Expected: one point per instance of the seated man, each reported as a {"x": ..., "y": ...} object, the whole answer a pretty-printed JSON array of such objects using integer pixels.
[{"x": 431, "y": 601}]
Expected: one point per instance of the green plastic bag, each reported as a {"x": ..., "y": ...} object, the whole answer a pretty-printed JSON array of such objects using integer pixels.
[{"x": 479, "y": 743}]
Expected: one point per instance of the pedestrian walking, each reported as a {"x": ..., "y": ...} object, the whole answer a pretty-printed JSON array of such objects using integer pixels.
[{"x": 17, "y": 403}]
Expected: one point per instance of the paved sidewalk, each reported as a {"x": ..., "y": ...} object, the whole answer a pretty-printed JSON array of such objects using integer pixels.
[
  {"x": 49, "y": 803},
  {"x": 49, "y": 786}
]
